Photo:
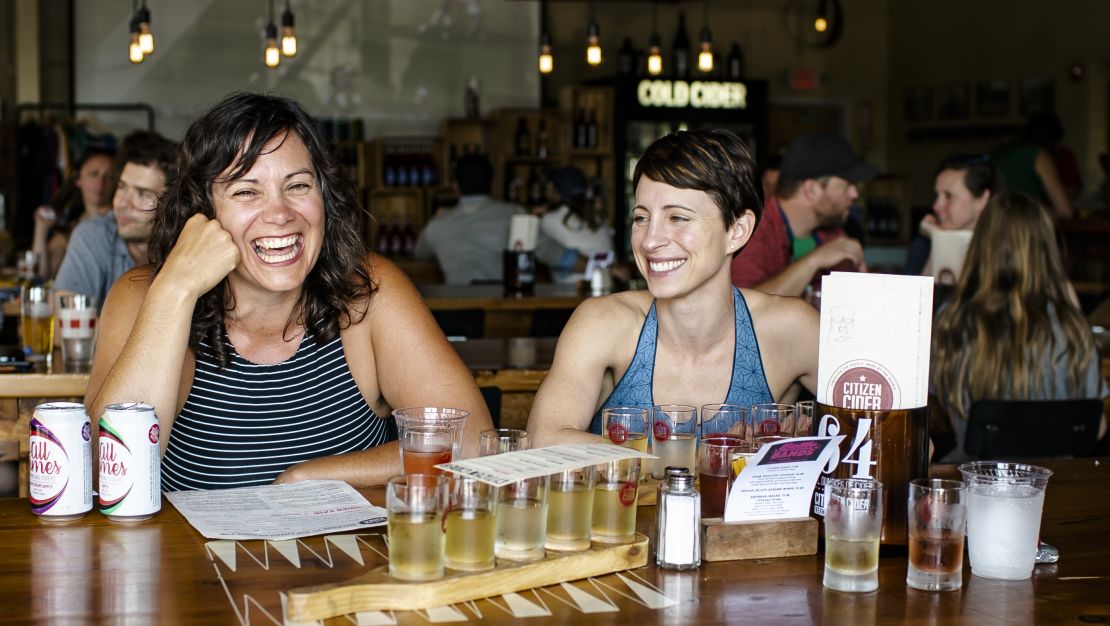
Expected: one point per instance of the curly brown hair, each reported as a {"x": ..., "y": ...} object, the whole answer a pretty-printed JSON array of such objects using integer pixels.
[{"x": 230, "y": 137}]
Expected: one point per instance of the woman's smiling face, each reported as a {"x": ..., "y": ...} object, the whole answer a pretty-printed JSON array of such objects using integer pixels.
[{"x": 275, "y": 214}]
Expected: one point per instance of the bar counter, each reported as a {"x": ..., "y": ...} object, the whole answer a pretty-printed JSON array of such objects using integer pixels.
[{"x": 162, "y": 571}]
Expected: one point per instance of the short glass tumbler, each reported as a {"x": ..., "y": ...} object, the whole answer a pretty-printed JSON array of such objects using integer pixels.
[
  {"x": 416, "y": 504},
  {"x": 853, "y": 524},
  {"x": 937, "y": 517}
]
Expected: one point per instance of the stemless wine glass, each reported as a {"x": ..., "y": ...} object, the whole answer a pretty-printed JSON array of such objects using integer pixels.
[
  {"x": 772, "y": 422},
  {"x": 499, "y": 440}
]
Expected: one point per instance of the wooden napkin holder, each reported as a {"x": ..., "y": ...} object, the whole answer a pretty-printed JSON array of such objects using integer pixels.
[{"x": 767, "y": 539}]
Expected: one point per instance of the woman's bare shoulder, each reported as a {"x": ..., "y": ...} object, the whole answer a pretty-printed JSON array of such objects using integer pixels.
[{"x": 780, "y": 316}]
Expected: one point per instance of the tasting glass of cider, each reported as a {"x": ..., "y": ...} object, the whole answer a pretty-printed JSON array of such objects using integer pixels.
[
  {"x": 471, "y": 525},
  {"x": 937, "y": 519},
  {"x": 416, "y": 504},
  {"x": 570, "y": 509},
  {"x": 500, "y": 440},
  {"x": 429, "y": 436},
  {"x": 853, "y": 524},
  {"x": 615, "y": 495},
  {"x": 522, "y": 519},
  {"x": 674, "y": 431}
]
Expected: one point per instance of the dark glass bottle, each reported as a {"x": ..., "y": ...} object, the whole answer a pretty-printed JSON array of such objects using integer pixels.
[
  {"x": 735, "y": 62},
  {"x": 626, "y": 58},
  {"x": 522, "y": 140},
  {"x": 680, "y": 49}
]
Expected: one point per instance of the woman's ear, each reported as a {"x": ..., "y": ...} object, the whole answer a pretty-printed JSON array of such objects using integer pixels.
[{"x": 740, "y": 231}]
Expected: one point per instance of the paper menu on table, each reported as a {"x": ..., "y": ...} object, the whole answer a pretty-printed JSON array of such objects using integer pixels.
[
  {"x": 876, "y": 331},
  {"x": 504, "y": 469},
  {"x": 275, "y": 512},
  {"x": 778, "y": 482}
]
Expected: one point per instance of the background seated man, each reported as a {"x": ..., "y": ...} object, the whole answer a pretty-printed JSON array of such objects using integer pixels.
[
  {"x": 468, "y": 240},
  {"x": 691, "y": 337},
  {"x": 800, "y": 235}
]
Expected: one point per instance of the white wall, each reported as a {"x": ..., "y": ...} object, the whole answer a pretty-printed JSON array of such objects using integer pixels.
[{"x": 400, "y": 65}]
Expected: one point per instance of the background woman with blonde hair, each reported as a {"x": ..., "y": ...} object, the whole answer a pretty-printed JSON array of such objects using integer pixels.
[{"x": 1013, "y": 329}]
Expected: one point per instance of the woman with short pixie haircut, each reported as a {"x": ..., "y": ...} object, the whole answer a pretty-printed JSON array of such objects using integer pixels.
[
  {"x": 267, "y": 339},
  {"x": 691, "y": 337},
  {"x": 1013, "y": 329}
]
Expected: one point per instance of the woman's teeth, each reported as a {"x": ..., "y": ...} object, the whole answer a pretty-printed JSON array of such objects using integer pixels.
[
  {"x": 665, "y": 266},
  {"x": 276, "y": 249}
]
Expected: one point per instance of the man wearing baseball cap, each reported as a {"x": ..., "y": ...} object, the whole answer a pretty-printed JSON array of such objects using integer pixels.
[{"x": 800, "y": 234}]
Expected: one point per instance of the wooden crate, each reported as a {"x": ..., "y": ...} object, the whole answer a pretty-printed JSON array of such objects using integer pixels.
[
  {"x": 730, "y": 541},
  {"x": 376, "y": 591}
]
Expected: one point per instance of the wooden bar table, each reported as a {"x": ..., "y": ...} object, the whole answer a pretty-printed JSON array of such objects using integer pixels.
[
  {"x": 162, "y": 571},
  {"x": 505, "y": 316}
]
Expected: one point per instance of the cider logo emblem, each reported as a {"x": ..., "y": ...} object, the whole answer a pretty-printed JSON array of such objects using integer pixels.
[
  {"x": 662, "y": 430},
  {"x": 618, "y": 434},
  {"x": 864, "y": 385},
  {"x": 628, "y": 493}
]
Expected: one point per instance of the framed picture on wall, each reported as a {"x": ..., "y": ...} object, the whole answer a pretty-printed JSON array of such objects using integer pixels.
[
  {"x": 1037, "y": 94},
  {"x": 918, "y": 104},
  {"x": 954, "y": 101},
  {"x": 992, "y": 98}
]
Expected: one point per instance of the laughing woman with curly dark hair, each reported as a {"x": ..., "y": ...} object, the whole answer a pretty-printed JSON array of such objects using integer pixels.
[{"x": 264, "y": 335}]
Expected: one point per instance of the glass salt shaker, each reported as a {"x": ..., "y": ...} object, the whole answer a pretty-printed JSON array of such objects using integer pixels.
[{"x": 678, "y": 522}]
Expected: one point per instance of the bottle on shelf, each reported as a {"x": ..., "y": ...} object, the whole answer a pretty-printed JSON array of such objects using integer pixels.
[
  {"x": 396, "y": 237},
  {"x": 416, "y": 168},
  {"x": 408, "y": 240},
  {"x": 626, "y": 58},
  {"x": 680, "y": 48},
  {"x": 428, "y": 175},
  {"x": 401, "y": 166},
  {"x": 522, "y": 140},
  {"x": 591, "y": 130},
  {"x": 385, "y": 235},
  {"x": 536, "y": 185},
  {"x": 541, "y": 140},
  {"x": 580, "y": 128},
  {"x": 389, "y": 168},
  {"x": 735, "y": 62},
  {"x": 452, "y": 159}
]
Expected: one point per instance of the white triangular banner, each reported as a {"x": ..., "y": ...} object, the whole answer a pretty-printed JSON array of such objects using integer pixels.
[
  {"x": 288, "y": 549},
  {"x": 524, "y": 608},
  {"x": 588, "y": 603},
  {"x": 348, "y": 544},
  {"x": 288, "y": 622},
  {"x": 225, "y": 550},
  {"x": 441, "y": 614},
  {"x": 650, "y": 597},
  {"x": 374, "y": 618}
]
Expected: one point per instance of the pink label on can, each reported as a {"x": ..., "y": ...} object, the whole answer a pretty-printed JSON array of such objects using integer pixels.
[
  {"x": 116, "y": 462},
  {"x": 48, "y": 466}
]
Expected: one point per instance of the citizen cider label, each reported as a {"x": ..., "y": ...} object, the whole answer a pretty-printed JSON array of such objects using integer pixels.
[
  {"x": 628, "y": 493},
  {"x": 662, "y": 430},
  {"x": 130, "y": 462},
  {"x": 618, "y": 434},
  {"x": 59, "y": 461},
  {"x": 864, "y": 385}
]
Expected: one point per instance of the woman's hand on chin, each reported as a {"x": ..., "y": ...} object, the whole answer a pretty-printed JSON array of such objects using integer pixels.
[{"x": 203, "y": 256}]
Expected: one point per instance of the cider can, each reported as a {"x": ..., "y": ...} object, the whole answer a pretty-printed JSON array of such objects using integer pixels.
[
  {"x": 60, "y": 461},
  {"x": 130, "y": 462}
]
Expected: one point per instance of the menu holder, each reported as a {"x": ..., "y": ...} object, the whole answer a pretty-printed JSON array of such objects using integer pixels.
[
  {"x": 893, "y": 448},
  {"x": 377, "y": 591},
  {"x": 762, "y": 539}
]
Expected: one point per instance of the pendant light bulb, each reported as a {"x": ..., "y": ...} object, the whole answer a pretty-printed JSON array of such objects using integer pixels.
[
  {"x": 273, "y": 55},
  {"x": 288, "y": 34},
  {"x": 134, "y": 49},
  {"x": 146, "y": 38},
  {"x": 705, "y": 57},
  {"x": 546, "y": 61},
  {"x": 821, "y": 24},
  {"x": 655, "y": 58},
  {"x": 593, "y": 44}
]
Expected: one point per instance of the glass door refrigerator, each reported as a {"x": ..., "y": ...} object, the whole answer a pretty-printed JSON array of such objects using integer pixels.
[{"x": 648, "y": 108}]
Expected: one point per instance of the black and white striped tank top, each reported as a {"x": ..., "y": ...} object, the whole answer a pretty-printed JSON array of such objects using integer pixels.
[{"x": 246, "y": 424}]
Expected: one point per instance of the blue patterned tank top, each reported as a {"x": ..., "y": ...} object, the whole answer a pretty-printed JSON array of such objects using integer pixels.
[
  {"x": 246, "y": 424},
  {"x": 747, "y": 386}
]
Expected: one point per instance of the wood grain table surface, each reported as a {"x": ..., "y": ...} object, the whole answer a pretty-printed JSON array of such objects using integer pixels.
[{"x": 163, "y": 572}]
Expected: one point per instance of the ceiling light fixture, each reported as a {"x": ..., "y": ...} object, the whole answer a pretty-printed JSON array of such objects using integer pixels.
[
  {"x": 146, "y": 38},
  {"x": 705, "y": 57},
  {"x": 655, "y": 58},
  {"x": 272, "y": 55},
  {"x": 288, "y": 35},
  {"x": 821, "y": 24},
  {"x": 593, "y": 39}
]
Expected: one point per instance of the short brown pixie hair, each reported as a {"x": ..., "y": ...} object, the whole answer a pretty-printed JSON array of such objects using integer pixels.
[{"x": 714, "y": 161}]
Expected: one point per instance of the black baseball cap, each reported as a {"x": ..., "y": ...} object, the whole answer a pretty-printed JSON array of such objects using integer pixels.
[{"x": 824, "y": 154}]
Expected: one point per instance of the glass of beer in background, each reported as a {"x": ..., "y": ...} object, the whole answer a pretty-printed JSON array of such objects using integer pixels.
[
  {"x": 804, "y": 414},
  {"x": 77, "y": 326},
  {"x": 674, "y": 431},
  {"x": 853, "y": 523},
  {"x": 498, "y": 440},
  {"x": 36, "y": 306},
  {"x": 570, "y": 509},
  {"x": 429, "y": 436},
  {"x": 937, "y": 521},
  {"x": 614, "y": 515},
  {"x": 522, "y": 519},
  {"x": 714, "y": 460},
  {"x": 416, "y": 504},
  {"x": 724, "y": 419},
  {"x": 471, "y": 524},
  {"x": 772, "y": 422}
]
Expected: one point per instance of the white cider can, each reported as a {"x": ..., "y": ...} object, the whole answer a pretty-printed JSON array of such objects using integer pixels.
[
  {"x": 59, "y": 461},
  {"x": 130, "y": 462}
]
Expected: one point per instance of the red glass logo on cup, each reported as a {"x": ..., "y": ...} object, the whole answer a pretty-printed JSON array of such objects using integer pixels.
[
  {"x": 662, "y": 430},
  {"x": 153, "y": 433},
  {"x": 768, "y": 428},
  {"x": 628, "y": 493},
  {"x": 834, "y": 509},
  {"x": 618, "y": 434}
]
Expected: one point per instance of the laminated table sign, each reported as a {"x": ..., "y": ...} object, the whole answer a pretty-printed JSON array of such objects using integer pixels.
[{"x": 873, "y": 385}]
